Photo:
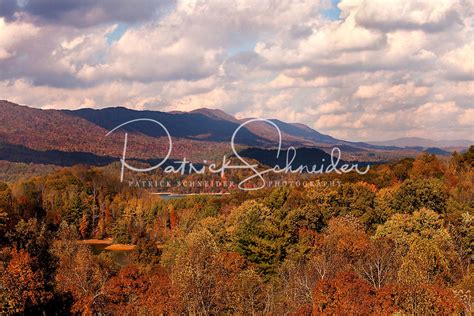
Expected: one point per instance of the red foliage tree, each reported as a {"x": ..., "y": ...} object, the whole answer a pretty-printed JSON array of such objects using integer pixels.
[{"x": 347, "y": 294}]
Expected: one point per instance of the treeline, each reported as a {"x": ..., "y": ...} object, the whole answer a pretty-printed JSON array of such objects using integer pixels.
[{"x": 398, "y": 240}]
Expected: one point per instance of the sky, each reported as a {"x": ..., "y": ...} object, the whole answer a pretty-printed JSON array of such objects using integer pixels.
[{"x": 354, "y": 69}]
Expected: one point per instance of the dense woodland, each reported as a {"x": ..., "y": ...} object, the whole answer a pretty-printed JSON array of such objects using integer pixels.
[{"x": 397, "y": 240}]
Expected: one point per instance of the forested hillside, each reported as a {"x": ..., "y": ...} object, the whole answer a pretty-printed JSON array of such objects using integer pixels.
[
  {"x": 66, "y": 138},
  {"x": 53, "y": 135}
]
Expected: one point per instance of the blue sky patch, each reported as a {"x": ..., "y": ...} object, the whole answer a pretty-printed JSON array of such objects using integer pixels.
[
  {"x": 334, "y": 12},
  {"x": 116, "y": 34}
]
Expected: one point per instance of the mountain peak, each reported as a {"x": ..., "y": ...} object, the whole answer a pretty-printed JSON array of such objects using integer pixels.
[{"x": 215, "y": 113}]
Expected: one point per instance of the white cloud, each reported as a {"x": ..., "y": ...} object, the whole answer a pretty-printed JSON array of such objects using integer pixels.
[
  {"x": 433, "y": 114},
  {"x": 459, "y": 62},
  {"x": 334, "y": 121},
  {"x": 11, "y": 34},
  {"x": 369, "y": 91},
  {"x": 330, "y": 107},
  {"x": 386, "y": 69},
  {"x": 467, "y": 119},
  {"x": 429, "y": 15}
]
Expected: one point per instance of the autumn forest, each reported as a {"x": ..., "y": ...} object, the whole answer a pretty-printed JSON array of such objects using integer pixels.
[{"x": 398, "y": 240}]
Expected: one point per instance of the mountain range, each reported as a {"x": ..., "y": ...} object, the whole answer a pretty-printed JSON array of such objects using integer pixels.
[
  {"x": 66, "y": 137},
  {"x": 423, "y": 142}
]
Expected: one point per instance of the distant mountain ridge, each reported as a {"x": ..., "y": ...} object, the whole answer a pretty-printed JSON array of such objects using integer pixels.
[
  {"x": 423, "y": 142},
  {"x": 206, "y": 124},
  {"x": 216, "y": 126},
  {"x": 60, "y": 132},
  {"x": 65, "y": 137},
  {"x": 195, "y": 126}
]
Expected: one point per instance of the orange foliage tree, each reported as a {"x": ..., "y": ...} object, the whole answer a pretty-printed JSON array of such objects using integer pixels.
[{"x": 21, "y": 287}]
